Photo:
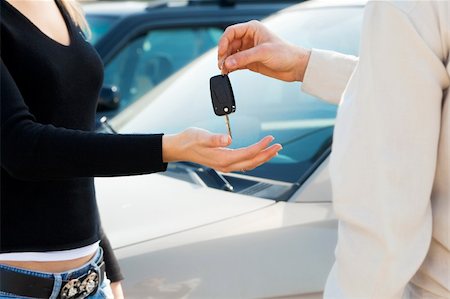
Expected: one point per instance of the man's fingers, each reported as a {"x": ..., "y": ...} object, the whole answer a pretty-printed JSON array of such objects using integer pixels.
[
  {"x": 234, "y": 33},
  {"x": 243, "y": 58},
  {"x": 235, "y": 46}
]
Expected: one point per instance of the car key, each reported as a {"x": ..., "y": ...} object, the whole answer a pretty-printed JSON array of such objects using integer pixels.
[{"x": 222, "y": 98}]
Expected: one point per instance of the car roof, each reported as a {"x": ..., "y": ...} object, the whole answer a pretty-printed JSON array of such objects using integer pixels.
[
  {"x": 124, "y": 8},
  {"x": 115, "y": 7},
  {"x": 326, "y": 3}
]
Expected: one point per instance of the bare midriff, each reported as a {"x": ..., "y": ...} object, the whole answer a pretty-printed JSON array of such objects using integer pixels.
[{"x": 53, "y": 267}]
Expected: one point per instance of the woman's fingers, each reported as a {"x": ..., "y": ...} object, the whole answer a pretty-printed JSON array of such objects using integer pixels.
[
  {"x": 201, "y": 146},
  {"x": 227, "y": 160},
  {"x": 261, "y": 158},
  {"x": 217, "y": 140},
  {"x": 249, "y": 152}
]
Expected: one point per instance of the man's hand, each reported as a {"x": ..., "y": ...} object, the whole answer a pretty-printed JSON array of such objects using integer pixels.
[
  {"x": 252, "y": 46},
  {"x": 202, "y": 147}
]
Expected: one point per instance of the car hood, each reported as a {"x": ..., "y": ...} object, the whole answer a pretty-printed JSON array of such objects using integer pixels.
[{"x": 135, "y": 209}]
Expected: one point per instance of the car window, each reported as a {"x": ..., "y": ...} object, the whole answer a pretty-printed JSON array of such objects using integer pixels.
[
  {"x": 149, "y": 59},
  {"x": 99, "y": 26},
  {"x": 301, "y": 123}
]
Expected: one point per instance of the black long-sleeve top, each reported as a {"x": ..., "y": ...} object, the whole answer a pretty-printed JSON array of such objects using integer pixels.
[{"x": 49, "y": 154}]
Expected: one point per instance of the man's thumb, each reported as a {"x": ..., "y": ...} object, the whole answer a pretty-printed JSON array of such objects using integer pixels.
[{"x": 241, "y": 59}]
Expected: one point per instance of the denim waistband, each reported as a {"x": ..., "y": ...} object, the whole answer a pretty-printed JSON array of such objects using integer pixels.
[{"x": 60, "y": 277}]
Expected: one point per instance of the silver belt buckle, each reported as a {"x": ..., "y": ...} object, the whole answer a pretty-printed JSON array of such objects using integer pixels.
[{"x": 79, "y": 289}]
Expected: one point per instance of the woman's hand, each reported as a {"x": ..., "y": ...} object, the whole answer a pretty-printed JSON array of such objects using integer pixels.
[
  {"x": 202, "y": 147},
  {"x": 252, "y": 46},
  {"x": 116, "y": 287}
]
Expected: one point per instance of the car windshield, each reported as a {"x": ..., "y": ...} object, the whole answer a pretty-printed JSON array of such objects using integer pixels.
[
  {"x": 301, "y": 123},
  {"x": 99, "y": 26},
  {"x": 150, "y": 58}
]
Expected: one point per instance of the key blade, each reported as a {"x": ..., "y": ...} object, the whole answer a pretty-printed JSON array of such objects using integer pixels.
[{"x": 227, "y": 121}]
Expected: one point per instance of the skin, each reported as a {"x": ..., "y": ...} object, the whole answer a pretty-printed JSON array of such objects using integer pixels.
[
  {"x": 117, "y": 290},
  {"x": 202, "y": 147},
  {"x": 254, "y": 47},
  {"x": 195, "y": 145},
  {"x": 46, "y": 16}
]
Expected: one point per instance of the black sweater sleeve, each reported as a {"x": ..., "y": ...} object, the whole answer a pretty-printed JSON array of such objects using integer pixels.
[{"x": 34, "y": 151}]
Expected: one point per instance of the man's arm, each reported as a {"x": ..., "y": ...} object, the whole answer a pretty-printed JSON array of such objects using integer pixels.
[
  {"x": 327, "y": 74},
  {"x": 385, "y": 151},
  {"x": 254, "y": 47}
]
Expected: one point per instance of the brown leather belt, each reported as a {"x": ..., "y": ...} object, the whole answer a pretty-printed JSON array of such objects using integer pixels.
[{"x": 28, "y": 285}]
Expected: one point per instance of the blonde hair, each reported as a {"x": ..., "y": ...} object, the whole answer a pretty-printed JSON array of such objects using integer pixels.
[{"x": 76, "y": 13}]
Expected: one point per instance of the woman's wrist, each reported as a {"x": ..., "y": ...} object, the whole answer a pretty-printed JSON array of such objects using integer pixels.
[
  {"x": 169, "y": 148},
  {"x": 116, "y": 288}
]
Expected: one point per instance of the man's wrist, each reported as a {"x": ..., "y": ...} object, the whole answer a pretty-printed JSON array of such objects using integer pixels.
[{"x": 302, "y": 58}]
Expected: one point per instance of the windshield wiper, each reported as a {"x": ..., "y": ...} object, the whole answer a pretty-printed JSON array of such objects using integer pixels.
[
  {"x": 210, "y": 176},
  {"x": 106, "y": 127}
]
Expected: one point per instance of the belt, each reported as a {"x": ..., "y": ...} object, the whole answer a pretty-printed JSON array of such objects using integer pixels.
[{"x": 28, "y": 285}]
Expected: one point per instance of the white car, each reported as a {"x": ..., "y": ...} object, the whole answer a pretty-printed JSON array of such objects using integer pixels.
[{"x": 268, "y": 233}]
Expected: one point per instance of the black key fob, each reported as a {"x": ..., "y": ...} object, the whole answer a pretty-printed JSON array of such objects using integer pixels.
[{"x": 222, "y": 95}]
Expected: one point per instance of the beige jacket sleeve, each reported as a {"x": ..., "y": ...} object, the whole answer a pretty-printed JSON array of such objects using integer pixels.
[
  {"x": 385, "y": 148},
  {"x": 327, "y": 74}
]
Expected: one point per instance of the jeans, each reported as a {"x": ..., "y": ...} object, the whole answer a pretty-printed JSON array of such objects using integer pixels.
[{"x": 103, "y": 292}]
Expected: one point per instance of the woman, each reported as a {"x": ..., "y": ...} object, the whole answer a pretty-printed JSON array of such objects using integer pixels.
[
  {"x": 50, "y": 80},
  {"x": 390, "y": 163}
]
